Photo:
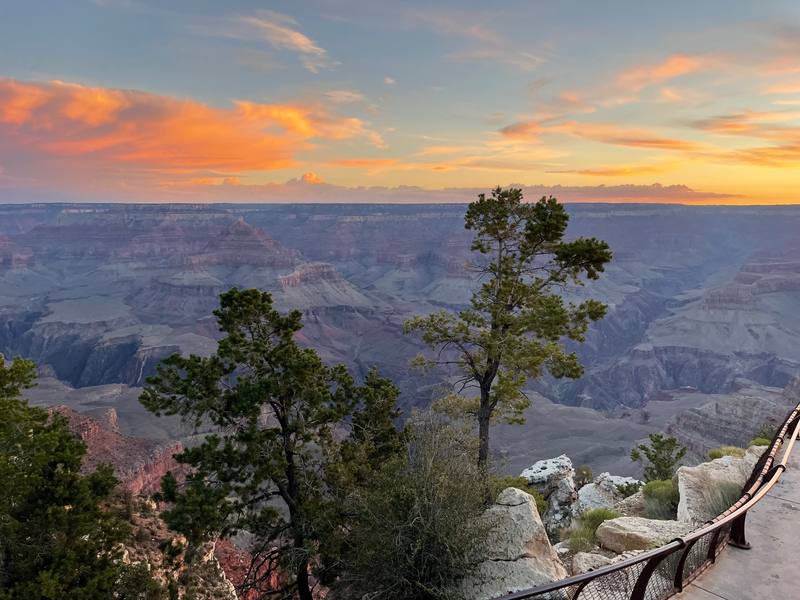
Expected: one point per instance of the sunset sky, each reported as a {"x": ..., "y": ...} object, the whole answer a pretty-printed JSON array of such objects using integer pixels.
[{"x": 359, "y": 100}]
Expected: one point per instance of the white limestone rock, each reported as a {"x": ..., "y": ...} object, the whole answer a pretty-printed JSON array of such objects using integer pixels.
[
  {"x": 517, "y": 554},
  {"x": 554, "y": 478},
  {"x": 637, "y": 533},
  {"x": 698, "y": 485},
  {"x": 603, "y": 492}
]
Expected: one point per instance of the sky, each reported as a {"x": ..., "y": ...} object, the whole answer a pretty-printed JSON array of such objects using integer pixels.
[{"x": 399, "y": 101}]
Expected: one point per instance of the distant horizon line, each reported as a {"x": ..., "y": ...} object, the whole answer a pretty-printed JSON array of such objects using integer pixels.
[{"x": 111, "y": 203}]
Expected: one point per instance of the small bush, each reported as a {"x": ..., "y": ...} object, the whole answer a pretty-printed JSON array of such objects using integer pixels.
[
  {"x": 583, "y": 536},
  {"x": 759, "y": 441},
  {"x": 581, "y": 539},
  {"x": 593, "y": 518},
  {"x": 583, "y": 475},
  {"x": 725, "y": 451},
  {"x": 661, "y": 499},
  {"x": 629, "y": 488}
]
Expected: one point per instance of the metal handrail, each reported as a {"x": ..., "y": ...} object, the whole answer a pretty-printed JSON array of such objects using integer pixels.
[{"x": 727, "y": 527}]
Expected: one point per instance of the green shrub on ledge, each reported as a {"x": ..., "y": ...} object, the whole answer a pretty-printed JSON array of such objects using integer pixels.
[
  {"x": 661, "y": 499},
  {"x": 583, "y": 536},
  {"x": 759, "y": 441},
  {"x": 715, "y": 453}
]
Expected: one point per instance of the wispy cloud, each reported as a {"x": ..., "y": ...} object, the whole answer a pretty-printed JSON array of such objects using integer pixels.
[
  {"x": 281, "y": 32},
  {"x": 607, "y": 133},
  {"x": 636, "y": 78},
  {"x": 345, "y": 96}
]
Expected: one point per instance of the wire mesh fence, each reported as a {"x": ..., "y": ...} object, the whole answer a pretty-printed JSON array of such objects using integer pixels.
[{"x": 661, "y": 573}]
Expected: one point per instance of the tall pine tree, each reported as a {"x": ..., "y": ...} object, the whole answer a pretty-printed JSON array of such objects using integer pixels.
[
  {"x": 275, "y": 409},
  {"x": 518, "y": 319}
]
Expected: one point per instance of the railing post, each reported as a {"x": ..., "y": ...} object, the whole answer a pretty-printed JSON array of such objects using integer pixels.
[
  {"x": 644, "y": 577},
  {"x": 678, "y": 583},
  {"x": 738, "y": 539},
  {"x": 712, "y": 546}
]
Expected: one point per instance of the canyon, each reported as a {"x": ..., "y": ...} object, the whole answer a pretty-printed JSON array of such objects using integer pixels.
[{"x": 702, "y": 308}]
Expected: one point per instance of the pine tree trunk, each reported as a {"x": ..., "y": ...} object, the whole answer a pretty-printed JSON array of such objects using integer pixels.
[
  {"x": 484, "y": 416},
  {"x": 303, "y": 589}
]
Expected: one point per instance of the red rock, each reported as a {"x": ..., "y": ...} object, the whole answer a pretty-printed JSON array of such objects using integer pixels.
[
  {"x": 235, "y": 562},
  {"x": 139, "y": 463}
]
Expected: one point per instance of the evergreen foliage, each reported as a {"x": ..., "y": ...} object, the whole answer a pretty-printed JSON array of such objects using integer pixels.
[
  {"x": 57, "y": 538},
  {"x": 660, "y": 457},
  {"x": 273, "y": 466}
]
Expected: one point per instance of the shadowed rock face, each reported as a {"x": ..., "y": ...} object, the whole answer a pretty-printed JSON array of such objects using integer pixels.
[
  {"x": 698, "y": 296},
  {"x": 138, "y": 463}
]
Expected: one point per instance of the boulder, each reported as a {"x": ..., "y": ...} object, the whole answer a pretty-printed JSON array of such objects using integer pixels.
[
  {"x": 517, "y": 554},
  {"x": 554, "y": 479},
  {"x": 583, "y": 562},
  {"x": 562, "y": 549},
  {"x": 637, "y": 533},
  {"x": 603, "y": 492},
  {"x": 632, "y": 506},
  {"x": 699, "y": 487}
]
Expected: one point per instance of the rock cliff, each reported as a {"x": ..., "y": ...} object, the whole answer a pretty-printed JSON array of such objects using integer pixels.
[{"x": 138, "y": 463}]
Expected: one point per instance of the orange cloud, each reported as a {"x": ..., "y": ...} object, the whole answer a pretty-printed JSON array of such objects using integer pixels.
[
  {"x": 310, "y": 121},
  {"x": 119, "y": 134},
  {"x": 621, "y": 136},
  {"x": 600, "y": 132},
  {"x": 641, "y": 76},
  {"x": 768, "y": 125}
]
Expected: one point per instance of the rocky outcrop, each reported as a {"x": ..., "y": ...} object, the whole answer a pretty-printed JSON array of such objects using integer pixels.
[
  {"x": 637, "y": 533},
  {"x": 603, "y": 492},
  {"x": 705, "y": 489},
  {"x": 632, "y": 506},
  {"x": 242, "y": 244},
  {"x": 182, "y": 297},
  {"x": 317, "y": 284},
  {"x": 517, "y": 553},
  {"x": 138, "y": 463},
  {"x": 583, "y": 562},
  {"x": 309, "y": 274},
  {"x": 554, "y": 479},
  {"x": 196, "y": 573},
  {"x": 730, "y": 419}
]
